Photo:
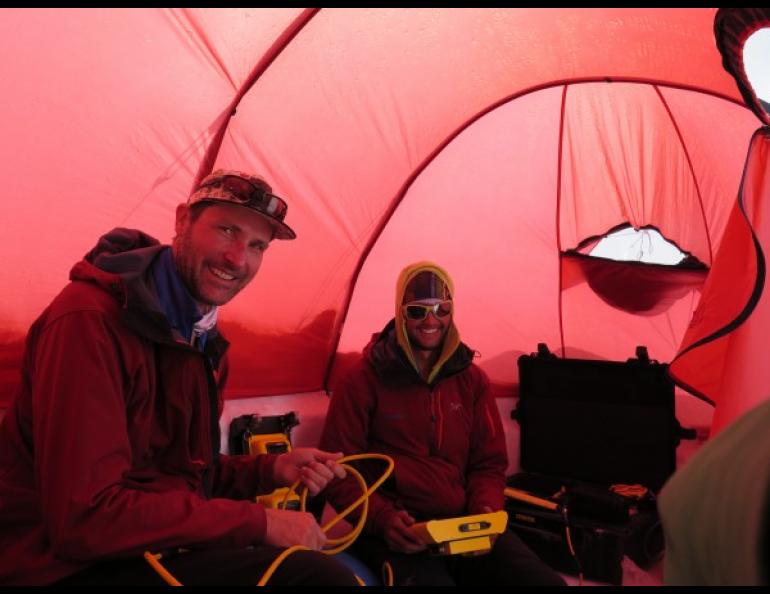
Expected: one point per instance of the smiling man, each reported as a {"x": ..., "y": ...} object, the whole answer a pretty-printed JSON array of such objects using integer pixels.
[
  {"x": 111, "y": 447},
  {"x": 417, "y": 397}
]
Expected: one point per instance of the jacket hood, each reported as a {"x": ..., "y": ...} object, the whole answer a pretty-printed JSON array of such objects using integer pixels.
[
  {"x": 111, "y": 248},
  {"x": 125, "y": 255},
  {"x": 452, "y": 338}
]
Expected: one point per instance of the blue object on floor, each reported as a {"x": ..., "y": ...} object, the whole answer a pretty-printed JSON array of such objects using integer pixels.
[{"x": 358, "y": 568}]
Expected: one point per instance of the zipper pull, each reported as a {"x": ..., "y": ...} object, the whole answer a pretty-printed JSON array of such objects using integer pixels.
[
  {"x": 196, "y": 334},
  {"x": 433, "y": 416}
]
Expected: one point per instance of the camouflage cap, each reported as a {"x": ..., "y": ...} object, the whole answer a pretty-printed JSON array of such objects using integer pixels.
[{"x": 249, "y": 191}]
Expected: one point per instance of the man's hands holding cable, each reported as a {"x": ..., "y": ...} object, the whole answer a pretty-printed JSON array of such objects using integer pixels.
[
  {"x": 286, "y": 528},
  {"x": 313, "y": 468},
  {"x": 398, "y": 536}
]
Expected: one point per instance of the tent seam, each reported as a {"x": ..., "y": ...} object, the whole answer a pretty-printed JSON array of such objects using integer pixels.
[
  {"x": 692, "y": 172},
  {"x": 275, "y": 50},
  {"x": 559, "y": 157}
]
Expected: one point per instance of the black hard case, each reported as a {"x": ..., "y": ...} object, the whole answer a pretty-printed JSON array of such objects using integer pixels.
[{"x": 605, "y": 422}]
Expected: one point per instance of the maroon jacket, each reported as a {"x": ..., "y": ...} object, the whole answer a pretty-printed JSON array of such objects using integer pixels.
[
  {"x": 446, "y": 438},
  {"x": 111, "y": 447}
]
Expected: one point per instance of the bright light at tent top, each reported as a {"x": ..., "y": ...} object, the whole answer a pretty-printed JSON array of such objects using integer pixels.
[
  {"x": 756, "y": 52},
  {"x": 638, "y": 245}
]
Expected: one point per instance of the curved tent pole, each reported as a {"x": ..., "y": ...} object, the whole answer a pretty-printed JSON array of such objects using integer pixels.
[
  {"x": 337, "y": 333},
  {"x": 732, "y": 28},
  {"x": 283, "y": 40},
  {"x": 558, "y": 216}
]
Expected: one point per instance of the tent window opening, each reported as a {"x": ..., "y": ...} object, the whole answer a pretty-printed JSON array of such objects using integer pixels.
[
  {"x": 635, "y": 270},
  {"x": 645, "y": 245}
]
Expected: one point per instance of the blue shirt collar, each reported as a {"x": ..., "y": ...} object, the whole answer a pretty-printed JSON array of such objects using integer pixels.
[{"x": 175, "y": 300}]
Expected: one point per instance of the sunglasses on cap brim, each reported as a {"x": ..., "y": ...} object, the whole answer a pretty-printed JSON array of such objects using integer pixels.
[
  {"x": 419, "y": 311},
  {"x": 251, "y": 195}
]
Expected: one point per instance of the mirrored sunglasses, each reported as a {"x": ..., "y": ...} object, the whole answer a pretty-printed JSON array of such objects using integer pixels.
[{"x": 419, "y": 311}]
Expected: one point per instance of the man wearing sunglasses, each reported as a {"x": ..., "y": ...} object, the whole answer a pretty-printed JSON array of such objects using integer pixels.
[
  {"x": 417, "y": 397},
  {"x": 111, "y": 447}
]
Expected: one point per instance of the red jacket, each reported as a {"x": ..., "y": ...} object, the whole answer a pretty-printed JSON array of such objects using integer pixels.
[
  {"x": 111, "y": 447},
  {"x": 446, "y": 438}
]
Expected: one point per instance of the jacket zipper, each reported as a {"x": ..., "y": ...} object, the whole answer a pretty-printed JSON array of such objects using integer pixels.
[
  {"x": 437, "y": 418},
  {"x": 492, "y": 429},
  {"x": 213, "y": 399}
]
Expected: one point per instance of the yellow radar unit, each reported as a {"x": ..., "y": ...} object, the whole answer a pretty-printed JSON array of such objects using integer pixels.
[
  {"x": 269, "y": 443},
  {"x": 275, "y": 500},
  {"x": 466, "y": 535},
  {"x": 274, "y": 443}
]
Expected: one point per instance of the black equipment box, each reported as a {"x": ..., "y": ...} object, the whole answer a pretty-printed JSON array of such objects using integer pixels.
[
  {"x": 604, "y": 422},
  {"x": 603, "y": 529}
]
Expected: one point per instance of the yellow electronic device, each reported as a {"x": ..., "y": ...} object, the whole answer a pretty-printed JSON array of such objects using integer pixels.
[
  {"x": 275, "y": 499},
  {"x": 273, "y": 443},
  {"x": 269, "y": 443},
  {"x": 467, "y": 535}
]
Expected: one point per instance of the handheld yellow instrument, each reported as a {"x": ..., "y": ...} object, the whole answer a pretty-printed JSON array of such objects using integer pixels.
[{"x": 466, "y": 535}]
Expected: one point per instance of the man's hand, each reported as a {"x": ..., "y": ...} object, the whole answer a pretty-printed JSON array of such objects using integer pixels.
[
  {"x": 485, "y": 509},
  {"x": 288, "y": 528},
  {"x": 398, "y": 536},
  {"x": 314, "y": 468}
]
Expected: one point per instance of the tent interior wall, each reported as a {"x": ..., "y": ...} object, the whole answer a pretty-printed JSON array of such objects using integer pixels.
[{"x": 489, "y": 140}]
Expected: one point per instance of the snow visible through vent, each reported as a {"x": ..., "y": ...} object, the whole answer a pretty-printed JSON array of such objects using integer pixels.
[
  {"x": 756, "y": 63},
  {"x": 642, "y": 245}
]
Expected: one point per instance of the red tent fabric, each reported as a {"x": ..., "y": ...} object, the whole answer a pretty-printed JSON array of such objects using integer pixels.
[
  {"x": 492, "y": 141},
  {"x": 722, "y": 358}
]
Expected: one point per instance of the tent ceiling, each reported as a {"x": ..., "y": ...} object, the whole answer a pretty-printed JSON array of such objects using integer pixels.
[{"x": 109, "y": 113}]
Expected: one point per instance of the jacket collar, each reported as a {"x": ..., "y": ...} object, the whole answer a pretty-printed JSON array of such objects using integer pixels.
[
  {"x": 123, "y": 263},
  {"x": 393, "y": 367}
]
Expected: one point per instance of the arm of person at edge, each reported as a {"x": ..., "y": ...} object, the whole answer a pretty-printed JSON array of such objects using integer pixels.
[
  {"x": 347, "y": 429},
  {"x": 93, "y": 507}
]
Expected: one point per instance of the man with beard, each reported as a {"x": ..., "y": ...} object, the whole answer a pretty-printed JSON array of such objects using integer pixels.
[
  {"x": 417, "y": 397},
  {"x": 111, "y": 447}
]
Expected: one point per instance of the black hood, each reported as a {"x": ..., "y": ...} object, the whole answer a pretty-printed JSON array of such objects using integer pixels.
[
  {"x": 392, "y": 366},
  {"x": 127, "y": 254}
]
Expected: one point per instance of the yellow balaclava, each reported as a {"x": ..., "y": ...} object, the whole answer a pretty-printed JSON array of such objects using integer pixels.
[{"x": 452, "y": 337}]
